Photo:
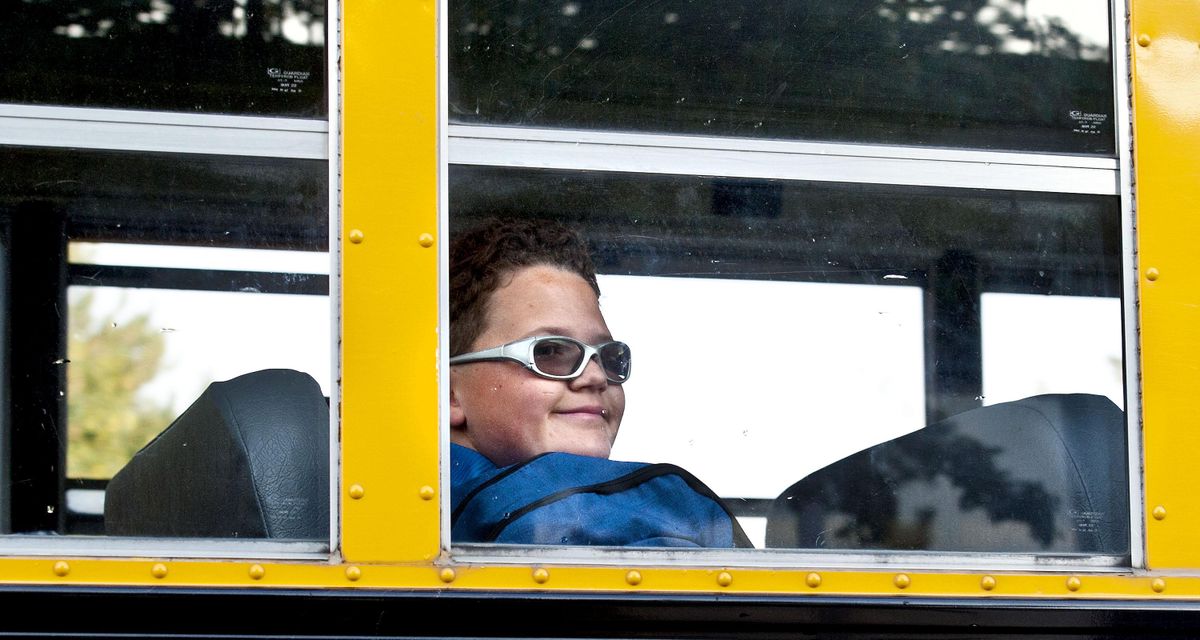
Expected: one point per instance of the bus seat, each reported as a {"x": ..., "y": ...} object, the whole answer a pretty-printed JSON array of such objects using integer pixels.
[
  {"x": 248, "y": 459},
  {"x": 1045, "y": 474}
]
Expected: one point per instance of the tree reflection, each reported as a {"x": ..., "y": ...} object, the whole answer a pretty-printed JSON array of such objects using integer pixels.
[
  {"x": 298, "y": 21},
  {"x": 1041, "y": 474},
  {"x": 933, "y": 71},
  {"x": 194, "y": 55},
  {"x": 861, "y": 498}
]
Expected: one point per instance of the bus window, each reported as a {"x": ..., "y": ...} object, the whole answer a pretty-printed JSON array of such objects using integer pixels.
[
  {"x": 856, "y": 210},
  {"x": 134, "y": 281},
  {"x": 1029, "y": 76},
  {"x": 262, "y": 57},
  {"x": 782, "y": 326}
]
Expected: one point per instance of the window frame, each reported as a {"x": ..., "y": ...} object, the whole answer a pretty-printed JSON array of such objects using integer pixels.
[
  {"x": 598, "y": 150},
  {"x": 63, "y": 127}
]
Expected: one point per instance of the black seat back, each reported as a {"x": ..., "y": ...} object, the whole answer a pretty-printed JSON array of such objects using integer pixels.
[
  {"x": 248, "y": 459},
  {"x": 1043, "y": 474}
]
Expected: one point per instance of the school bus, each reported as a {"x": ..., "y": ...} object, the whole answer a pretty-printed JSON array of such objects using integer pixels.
[{"x": 910, "y": 284}]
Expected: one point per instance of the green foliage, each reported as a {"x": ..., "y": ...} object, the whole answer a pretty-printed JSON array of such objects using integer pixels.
[{"x": 107, "y": 421}]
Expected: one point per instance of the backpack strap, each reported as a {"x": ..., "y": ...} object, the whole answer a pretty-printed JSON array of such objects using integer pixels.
[{"x": 505, "y": 490}]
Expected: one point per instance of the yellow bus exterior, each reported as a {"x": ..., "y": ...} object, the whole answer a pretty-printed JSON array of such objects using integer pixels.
[{"x": 390, "y": 520}]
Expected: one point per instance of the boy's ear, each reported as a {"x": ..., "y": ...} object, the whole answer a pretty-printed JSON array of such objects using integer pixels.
[{"x": 458, "y": 417}]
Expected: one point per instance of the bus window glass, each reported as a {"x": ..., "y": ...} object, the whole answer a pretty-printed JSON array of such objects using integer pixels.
[
  {"x": 988, "y": 74},
  {"x": 817, "y": 352},
  {"x": 1078, "y": 352},
  {"x": 252, "y": 57},
  {"x": 172, "y": 273}
]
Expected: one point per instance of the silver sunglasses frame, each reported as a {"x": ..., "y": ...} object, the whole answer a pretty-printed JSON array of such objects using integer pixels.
[{"x": 521, "y": 351}]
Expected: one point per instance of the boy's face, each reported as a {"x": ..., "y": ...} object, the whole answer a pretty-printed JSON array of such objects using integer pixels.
[{"x": 508, "y": 413}]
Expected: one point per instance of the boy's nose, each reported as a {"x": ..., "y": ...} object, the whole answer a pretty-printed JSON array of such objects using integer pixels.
[{"x": 593, "y": 374}]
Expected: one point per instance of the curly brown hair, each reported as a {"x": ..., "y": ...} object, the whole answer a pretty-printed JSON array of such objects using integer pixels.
[{"x": 482, "y": 257}]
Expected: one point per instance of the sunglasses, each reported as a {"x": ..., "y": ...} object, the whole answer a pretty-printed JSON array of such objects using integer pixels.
[{"x": 558, "y": 357}]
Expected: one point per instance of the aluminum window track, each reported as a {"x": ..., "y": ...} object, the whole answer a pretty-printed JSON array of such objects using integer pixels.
[
  {"x": 34, "y": 545},
  {"x": 865, "y": 560},
  {"x": 781, "y": 160},
  {"x": 162, "y": 131}
]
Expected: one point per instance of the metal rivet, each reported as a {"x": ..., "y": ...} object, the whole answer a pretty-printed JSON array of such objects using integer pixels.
[
  {"x": 447, "y": 575},
  {"x": 159, "y": 570},
  {"x": 987, "y": 583},
  {"x": 1159, "y": 512},
  {"x": 426, "y": 240},
  {"x": 813, "y": 580},
  {"x": 357, "y": 491},
  {"x": 541, "y": 576},
  {"x": 902, "y": 581},
  {"x": 257, "y": 572},
  {"x": 1152, "y": 274},
  {"x": 634, "y": 577},
  {"x": 353, "y": 573},
  {"x": 1074, "y": 584},
  {"x": 61, "y": 568},
  {"x": 1144, "y": 40},
  {"x": 426, "y": 492},
  {"x": 724, "y": 579},
  {"x": 356, "y": 236},
  {"x": 1158, "y": 585}
]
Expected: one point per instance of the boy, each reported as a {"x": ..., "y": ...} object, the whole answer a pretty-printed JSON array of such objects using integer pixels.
[{"x": 536, "y": 400}]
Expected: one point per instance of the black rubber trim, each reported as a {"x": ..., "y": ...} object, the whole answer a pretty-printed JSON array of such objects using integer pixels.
[
  {"x": 624, "y": 483},
  {"x": 102, "y": 275}
]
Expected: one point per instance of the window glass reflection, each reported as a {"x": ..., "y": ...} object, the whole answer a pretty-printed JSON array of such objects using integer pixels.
[
  {"x": 994, "y": 74},
  {"x": 1042, "y": 474},
  {"x": 249, "y": 57}
]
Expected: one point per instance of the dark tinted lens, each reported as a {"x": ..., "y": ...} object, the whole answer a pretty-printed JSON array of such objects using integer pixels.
[
  {"x": 615, "y": 359},
  {"x": 556, "y": 356}
]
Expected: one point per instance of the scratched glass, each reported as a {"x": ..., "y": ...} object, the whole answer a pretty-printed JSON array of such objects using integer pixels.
[
  {"x": 253, "y": 57},
  {"x": 1028, "y": 76},
  {"x": 887, "y": 310}
]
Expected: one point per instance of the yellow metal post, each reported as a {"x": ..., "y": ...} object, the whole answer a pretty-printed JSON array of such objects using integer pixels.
[
  {"x": 1166, "y": 102},
  {"x": 389, "y": 408}
]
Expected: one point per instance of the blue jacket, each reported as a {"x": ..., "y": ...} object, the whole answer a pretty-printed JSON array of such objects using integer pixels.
[{"x": 565, "y": 499}]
